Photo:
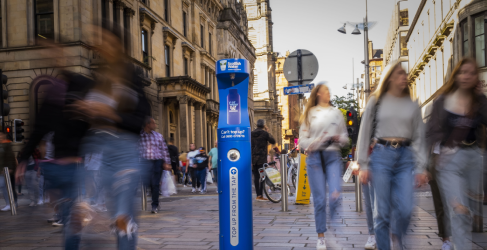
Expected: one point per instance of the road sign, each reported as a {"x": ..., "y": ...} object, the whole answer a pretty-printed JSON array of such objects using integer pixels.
[
  {"x": 300, "y": 89},
  {"x": 300, "y": 67}
]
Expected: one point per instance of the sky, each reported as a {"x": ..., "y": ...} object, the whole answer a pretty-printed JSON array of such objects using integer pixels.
[{"x": 313, "y": 24}]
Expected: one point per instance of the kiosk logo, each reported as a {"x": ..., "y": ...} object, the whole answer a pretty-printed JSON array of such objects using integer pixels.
[
  {"x": 223, "y": 65},
  {"x": 234, "y": 206}
]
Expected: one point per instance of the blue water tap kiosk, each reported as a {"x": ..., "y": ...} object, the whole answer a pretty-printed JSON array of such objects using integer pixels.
[{"x": 234, "y": 165}]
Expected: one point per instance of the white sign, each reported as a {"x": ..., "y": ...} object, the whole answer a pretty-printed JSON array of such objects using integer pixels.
[
  {"x": 234, "y": 206},
  {"x": 299, "y": 89},
  {"x": 228, "y": 134}
]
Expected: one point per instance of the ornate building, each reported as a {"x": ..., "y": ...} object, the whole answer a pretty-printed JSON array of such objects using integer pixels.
[
  {"x": 259, "y": 15},
  {"x": 174, "y": 44}
]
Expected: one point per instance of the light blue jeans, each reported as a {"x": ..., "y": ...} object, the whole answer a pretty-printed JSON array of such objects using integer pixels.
[
  {"x": 392, "y": 181},
  {"x": 316, "y": 162},
  {"x": 120, "y": 176},
  {"x": 459, "y": 176},
  {"x": 368, "y": 192}
]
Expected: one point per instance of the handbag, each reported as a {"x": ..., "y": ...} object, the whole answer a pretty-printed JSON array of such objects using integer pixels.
[{"x": 167, "y": 188}]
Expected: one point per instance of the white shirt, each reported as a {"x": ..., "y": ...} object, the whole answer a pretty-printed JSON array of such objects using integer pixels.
[
  {"x": 323, "y": 121},
  {"x": 191, "y": 156}
]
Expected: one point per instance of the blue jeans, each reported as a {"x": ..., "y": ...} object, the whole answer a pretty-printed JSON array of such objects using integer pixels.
[
  {"x": 317, "y": 181},
  {"x": 368, "y": 192},
  {"x": 459, "y": 175},
  {"x": 120, "y": 177},
  {"x": 153, "y": 174},
  {"x": 392, "y": 181},
  {"x": 201, "y": 175}
]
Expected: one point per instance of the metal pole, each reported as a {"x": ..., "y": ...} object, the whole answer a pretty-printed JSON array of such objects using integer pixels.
[
  {"x": 10, "y": 191},
  {"x": 358, "y": 195},
  {"x": 366, "y": 38},
  {"x": 284, "y": 182},
  {"x": 144, "y": 197},
  {"x": 1, "y": 100},
  {"x": 478, "y": 219}
]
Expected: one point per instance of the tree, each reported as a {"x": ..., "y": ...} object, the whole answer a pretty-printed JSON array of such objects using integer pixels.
[
  {"x": 346, "y": 150},
  {"x": 344, "y": 102}
]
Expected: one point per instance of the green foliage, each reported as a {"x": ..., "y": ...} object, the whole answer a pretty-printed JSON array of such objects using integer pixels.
[
  {"x": 344, "y": 102},
  {"x": 345, "y": 150}
]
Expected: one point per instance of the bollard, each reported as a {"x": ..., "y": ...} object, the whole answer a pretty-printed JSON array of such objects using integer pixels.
[
  {"x": 10, "y": 190},
  {"x": 284, "y": 182},
  {"x": 144, "y": 197},
  {"x": 478, "y": 219},
  {"x": 358, "y": 195}
]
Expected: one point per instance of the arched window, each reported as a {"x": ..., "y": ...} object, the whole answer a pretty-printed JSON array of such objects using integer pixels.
[{"x": 40, "y": 91}]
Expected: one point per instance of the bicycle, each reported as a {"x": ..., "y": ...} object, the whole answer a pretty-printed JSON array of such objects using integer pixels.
[{"x": 270, "y": 177}]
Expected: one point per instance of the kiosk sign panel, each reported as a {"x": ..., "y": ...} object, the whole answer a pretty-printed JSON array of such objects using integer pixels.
[{"x": 234, "y": 165}]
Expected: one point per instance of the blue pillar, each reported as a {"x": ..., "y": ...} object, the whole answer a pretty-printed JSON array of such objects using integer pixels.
[{"x": 234, "y": 166}]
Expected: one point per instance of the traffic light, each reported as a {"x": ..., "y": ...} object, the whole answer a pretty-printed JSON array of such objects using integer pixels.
[
  {"x": 18, "y": 130},
  {"x": 8, "y": 132},
  {"x": 352, "y": 125}
]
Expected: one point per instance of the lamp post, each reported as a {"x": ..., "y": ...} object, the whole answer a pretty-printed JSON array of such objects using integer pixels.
[{"x": 356, "y": 31}]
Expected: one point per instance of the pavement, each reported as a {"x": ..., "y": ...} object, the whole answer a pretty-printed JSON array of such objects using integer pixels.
[{"x": 190, "y": 221}]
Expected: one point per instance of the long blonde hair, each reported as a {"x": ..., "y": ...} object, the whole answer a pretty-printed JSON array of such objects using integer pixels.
[
  {"x": 384, "y": 81},
  {"x": 312, "y": 101}
]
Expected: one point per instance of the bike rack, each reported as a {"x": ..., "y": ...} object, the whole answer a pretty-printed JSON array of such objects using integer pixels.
[
  {"x": 13, "y": 209},
  {"x": 284, "y": 182}
]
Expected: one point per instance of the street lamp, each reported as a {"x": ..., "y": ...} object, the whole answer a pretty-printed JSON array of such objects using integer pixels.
[{"x": 356, "y": 31}]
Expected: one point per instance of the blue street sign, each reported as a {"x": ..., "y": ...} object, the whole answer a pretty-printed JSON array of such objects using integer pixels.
[
  {"x": 234, "y": 165},
  {"x": 299, "y": 89}
]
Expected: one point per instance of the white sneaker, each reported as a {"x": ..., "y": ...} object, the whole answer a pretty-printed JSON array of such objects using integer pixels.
[
  {"x": 32, "y": 204},
  {"x": 371, "y": 244},
  {"x": 198, "y": 189},
  {"x": 321, "y": 245},
  {"x": 446, "y": 245},
  {"x": 185, "y": 186},
  {"x": 40, "y": 202},
  {"x": 193, "y": 190},
  {"x": 6, "y": 208},
  {"x": 57, "y": 224}
]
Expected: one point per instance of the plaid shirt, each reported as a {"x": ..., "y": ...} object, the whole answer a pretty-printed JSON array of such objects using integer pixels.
[{"x": 153, "y": 147}]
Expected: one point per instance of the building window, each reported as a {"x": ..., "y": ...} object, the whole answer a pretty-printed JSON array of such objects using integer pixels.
[
  {"x": 166, "y": 10},
  {"x": 44, "y": 18},
  {"x": 171, "y": 117},
  {"x": 167, "y": 61},
  {"x": 202, "y": 32},
  {"x": 403, "y": 43},
  {"x": 1, "y": 31},
  {"x": 479, "y": 36},
  {"x": 144, "y": 1},
  {"x": 185, "y": 24},
  {"x": 209, "y": 43},
  {"x": 465, "y": 48},
  {"x": 403, "y": 18},
  {"x": 104, "y": 14},
  {"x": 186, "y": 66},
  {"x": 145, "y": 48},
  {"x": 114, "y": 11},
  {"x": 126, "y": 31}
]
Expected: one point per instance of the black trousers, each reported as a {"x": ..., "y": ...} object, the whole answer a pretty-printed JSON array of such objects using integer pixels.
[
  {"x": 154, "y": 178},
  {"x": 441, "y": 219},
  {"x": 258, "y": 187},
  {"x": 194, "y": 178},
  {"x": 175, "y": 169}
]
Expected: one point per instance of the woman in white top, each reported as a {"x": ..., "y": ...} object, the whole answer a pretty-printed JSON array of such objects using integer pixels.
[
  {"x": 392, "y": 125},
  {"x": 321, "y": 134}
]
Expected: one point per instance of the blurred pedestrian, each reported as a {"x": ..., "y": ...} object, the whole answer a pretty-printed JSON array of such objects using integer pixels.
[
  {"x": 154, "y": 150},
  {"x": 454, "y": 133},
  {"x": 7, "y": 160},
  {"x": 214, "y": 163},
  {"x": 260, "y": 139},
  {"x": 191, "y": 168},
  {"x": 183, "y": 160},
  {"x": 202, "y": 165},
  {"x": 31, "y": 176},
  {"x": 174, "y": 156},
  {"x": 322, "y": 134},
  {"x": 393, "y": 127}
]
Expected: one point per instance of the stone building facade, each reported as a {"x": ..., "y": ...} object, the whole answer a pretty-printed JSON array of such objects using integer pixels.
[
  {"x": 259, "y": 15},
  {"x": 173, "y": 43},
  {"x": 442, "y": 32},
  {"x": 395, "y": 48},
  {"x": 375, "y": 72}
]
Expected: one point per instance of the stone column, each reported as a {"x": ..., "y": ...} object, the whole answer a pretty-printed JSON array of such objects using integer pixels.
[
  {"x": 217, "y": 95},
  {"x": 199, "y": 130},
  {"x": 184, "y": 124},
  {"x": 120, "y": 8},
  {"x": 212, "y": 85},
  {"x": 190, "y": 120},
  {"x": 208, "y": 132},
  {"x": 110, "y": 14},
  {"x": 205, "y": 126}
]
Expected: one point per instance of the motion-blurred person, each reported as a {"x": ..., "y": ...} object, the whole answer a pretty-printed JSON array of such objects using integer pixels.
[
  {"x": 191, "y": 168},
  {"x": 174, "y": 156},
  {"x": 92, "y": 163},
  {"x": 183, "y": 160},
  {"x": 7, "y": 159},
  {"x": 454, "y": 132},
  {"x": 31, "y": 176},
  {"x": 214, "y": 164},
  {"x": 322, "y": 133},
  {"x": 392, "y": 125},
  {"x": 154, "y": 150},
  {"x": 202, "y": 164},
  {"x": 260, "y": 139}
]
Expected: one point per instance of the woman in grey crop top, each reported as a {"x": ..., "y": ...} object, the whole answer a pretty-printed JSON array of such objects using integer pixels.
[
  {"x": 454, "y": 134},
  {"x": 395, "y": 124}
]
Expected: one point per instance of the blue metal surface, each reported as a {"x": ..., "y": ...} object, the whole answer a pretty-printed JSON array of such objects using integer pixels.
[
  {"x": 234, "y": 176},
  {"x": 299, "y": 89}
]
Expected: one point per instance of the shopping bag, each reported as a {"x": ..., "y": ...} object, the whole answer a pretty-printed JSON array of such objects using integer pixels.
[
  {"x": 209, "y": 177},
  {"x": 167, "y": 188}
]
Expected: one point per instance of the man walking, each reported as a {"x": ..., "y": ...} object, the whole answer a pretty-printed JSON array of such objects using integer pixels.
[
  {"x": 174, "y": 155},
  {"x": 190, "y": 167},
  {"x": 260, "y": 138},
  {"x": 154, "y": 151},
  {"x": 201, "y": 164},
  {"x": 214, "y": 163}
]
